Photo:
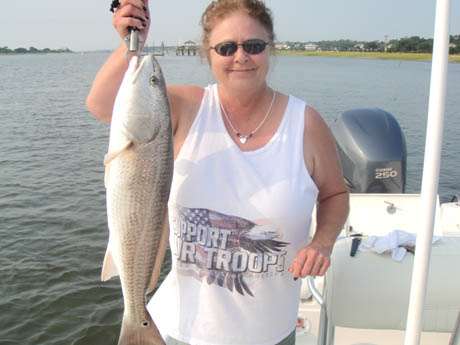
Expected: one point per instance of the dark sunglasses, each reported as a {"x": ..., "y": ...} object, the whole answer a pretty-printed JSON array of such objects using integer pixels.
[{"x": 229, "y": 48}]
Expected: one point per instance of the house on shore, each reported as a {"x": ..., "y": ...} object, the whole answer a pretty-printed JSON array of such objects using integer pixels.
[
  {"x": 281, "y": 46},
  {"x": 310, "y": 47}
]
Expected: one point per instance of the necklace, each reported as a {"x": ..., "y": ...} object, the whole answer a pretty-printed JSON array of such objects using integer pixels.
[{"x": 244, "y": 138}]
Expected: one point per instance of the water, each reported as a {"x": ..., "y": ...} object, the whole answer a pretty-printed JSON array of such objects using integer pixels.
[{"x": 53, "y": 225}]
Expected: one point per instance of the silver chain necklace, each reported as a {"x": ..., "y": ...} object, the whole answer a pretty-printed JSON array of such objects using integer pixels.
[{"x": 244, "y": 138}]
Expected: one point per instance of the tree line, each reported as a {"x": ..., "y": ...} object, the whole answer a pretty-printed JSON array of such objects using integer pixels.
[
  {"x": 414, "y": 44},
  {"x": 32, "y": 50}
]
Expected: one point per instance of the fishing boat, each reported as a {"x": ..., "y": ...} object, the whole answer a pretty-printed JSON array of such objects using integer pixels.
[
  {"x": 364, "y": 298},
  {"x": 405, "y": 294}
]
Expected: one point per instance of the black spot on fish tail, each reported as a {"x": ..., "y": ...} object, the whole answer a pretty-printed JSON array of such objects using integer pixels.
[{"x": 147, "y": 334}]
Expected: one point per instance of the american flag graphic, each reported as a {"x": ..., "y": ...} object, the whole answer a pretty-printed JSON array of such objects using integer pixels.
[{"x": 242, "y": 236}]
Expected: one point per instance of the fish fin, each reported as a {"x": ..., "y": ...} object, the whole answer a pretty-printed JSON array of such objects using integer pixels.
[
  {"x": 106, "y": 176},
  {"x": 160, "y": 255},
  {"x": 111, "y": 155},
  {"x": 109, "y": 269},
  {"x": 146, "y": 333}
]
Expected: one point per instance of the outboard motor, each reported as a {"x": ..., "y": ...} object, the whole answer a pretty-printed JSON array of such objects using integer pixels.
[{"x": 372, "y": 150}]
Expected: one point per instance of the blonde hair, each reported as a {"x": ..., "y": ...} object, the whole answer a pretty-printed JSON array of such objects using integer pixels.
[{"x": 219, "y": 9}]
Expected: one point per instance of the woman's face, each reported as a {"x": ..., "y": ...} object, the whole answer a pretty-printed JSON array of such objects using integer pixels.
[{"x": 241, "y": 71}]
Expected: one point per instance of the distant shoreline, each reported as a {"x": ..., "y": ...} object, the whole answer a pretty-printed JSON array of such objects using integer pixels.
[
  {"x": 366, "y": 55},
  {"x": 32, "y": 51},
  {"x": 363, "y": 55},
  {"x": 40, "y": 53}
]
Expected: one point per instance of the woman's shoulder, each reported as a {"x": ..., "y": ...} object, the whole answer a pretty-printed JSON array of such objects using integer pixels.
[
  {"x": 317, "y": 138},
  {"x": 185, "y": 94},
  {"x": 315, "y": 128},
  {"x": 184, "y": 102},
  {"x": 313, "y": 119}
]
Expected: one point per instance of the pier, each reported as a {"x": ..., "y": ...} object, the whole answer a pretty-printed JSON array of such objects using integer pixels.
[{"x": 189, "y": 48}]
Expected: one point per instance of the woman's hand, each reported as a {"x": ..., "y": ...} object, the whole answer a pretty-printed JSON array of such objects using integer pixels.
[
  {"x": 132, "y": 14},
  {"x": 312, "y": 260}
]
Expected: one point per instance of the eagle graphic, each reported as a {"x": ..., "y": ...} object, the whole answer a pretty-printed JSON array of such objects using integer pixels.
[{"x": 244, "y": 236}]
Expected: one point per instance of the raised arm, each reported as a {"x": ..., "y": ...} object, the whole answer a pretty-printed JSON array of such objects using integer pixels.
[{"x": 100, "y": 100}]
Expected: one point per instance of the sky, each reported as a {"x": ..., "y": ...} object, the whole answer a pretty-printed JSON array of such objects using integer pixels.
[{"x": 82, "y": 25}]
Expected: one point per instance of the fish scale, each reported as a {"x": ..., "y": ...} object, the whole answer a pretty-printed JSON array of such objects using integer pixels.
[{"x": 139, "y": 167}]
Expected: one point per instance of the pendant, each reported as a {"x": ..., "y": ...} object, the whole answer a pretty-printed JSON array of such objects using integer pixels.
[{"x": 244, "y": 138}]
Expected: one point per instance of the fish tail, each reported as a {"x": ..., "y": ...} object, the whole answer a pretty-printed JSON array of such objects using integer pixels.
[{"x": 146, "y": 333}]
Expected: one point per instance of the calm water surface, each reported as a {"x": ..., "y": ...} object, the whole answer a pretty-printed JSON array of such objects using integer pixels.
[{"x": 53, "y": 229}]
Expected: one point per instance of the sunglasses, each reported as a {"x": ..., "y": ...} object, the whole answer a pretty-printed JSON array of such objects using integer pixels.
[{"x": 229, "y": 48}]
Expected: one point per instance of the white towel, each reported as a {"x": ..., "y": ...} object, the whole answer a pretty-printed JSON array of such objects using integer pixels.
[{"x": 393, "y": 241}]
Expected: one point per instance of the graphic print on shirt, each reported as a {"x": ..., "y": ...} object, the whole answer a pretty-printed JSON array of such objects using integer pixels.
[{"x": 224, "y": 250}]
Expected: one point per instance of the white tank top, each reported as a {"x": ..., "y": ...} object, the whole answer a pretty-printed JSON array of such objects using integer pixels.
[{"x": 237, "y": 220}]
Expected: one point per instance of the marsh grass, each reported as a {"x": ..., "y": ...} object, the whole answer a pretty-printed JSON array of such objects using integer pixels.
[{"x": 368, "y": 55}]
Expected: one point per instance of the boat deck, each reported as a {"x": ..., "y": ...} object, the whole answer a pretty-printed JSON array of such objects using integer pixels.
[{"x": 351, "y": 336}]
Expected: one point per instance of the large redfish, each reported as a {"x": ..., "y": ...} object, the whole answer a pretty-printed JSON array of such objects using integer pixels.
[{"x": 139, "y": 166}]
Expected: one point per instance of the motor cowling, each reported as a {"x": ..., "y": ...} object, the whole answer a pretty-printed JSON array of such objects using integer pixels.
[{"x": 372, "y": 151}]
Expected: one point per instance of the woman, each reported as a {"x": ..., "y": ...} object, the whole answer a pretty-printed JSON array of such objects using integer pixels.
[{"x": 250, "y": 164}]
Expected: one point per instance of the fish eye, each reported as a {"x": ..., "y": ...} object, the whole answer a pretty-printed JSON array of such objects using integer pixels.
[
  {"x": 145, "y": 323},
  {"x": 153, "y": 80}
]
